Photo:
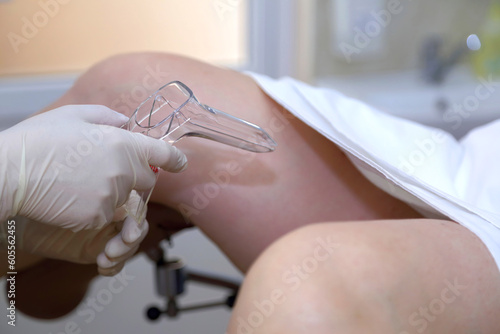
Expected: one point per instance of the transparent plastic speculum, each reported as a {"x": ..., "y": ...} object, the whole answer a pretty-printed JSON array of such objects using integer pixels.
[{"x": 173, "y": 112}]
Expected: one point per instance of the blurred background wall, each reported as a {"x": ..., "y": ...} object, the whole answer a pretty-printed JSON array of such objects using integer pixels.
[
  {"x": 50, "y": 36},
  {"x": 398, "y": 45},
  {"x": 54, "y": 36}
]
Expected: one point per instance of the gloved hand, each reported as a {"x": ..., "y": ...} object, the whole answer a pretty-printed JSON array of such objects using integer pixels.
[
  {"x": 72, "y": 167},
  {"x": 109, "y": 246}
]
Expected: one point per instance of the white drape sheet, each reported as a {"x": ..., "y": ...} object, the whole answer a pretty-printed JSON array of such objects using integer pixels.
[{"x": 423, "y": 166}]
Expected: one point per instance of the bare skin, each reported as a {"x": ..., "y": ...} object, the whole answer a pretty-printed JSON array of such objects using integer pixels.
[
  {"x": 387, "y": 277},
  {"x": 306, "y": 180},
  {"x": 247, "y": 202}
]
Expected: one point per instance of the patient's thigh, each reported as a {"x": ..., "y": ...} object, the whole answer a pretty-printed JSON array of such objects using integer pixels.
[
  {"x": 242, "y": 200},
  {"x": 378, "y": 277}
]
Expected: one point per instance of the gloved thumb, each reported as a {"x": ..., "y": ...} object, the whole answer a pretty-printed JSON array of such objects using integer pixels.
[{"x": 161, "y": 154}]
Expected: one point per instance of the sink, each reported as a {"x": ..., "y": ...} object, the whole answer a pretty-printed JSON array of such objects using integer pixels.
[{"x": 458, "y": 105}]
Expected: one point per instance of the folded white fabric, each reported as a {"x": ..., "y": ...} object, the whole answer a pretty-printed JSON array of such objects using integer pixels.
[{"x": 423, "y": 166}]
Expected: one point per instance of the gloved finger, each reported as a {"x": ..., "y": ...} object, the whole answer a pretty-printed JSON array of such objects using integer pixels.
[
  {"x": 161, "y": 154},
  {"x": 98, "y": 114},
  {"x": 117, "y": 246},
  {"x": 103, "y": 261},
  {"x": 132, "y": 232},
  {"x": 132, "y": 235},
  {"x": 135, "y": 206},
  {"x": 119, "y": 216},
  {"x": 112, "y": 271}
]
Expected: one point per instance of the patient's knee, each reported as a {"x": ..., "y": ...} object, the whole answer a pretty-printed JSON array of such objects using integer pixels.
[
  {"x": 122, "y": 82},
  {"x": 317, "y": 280}
]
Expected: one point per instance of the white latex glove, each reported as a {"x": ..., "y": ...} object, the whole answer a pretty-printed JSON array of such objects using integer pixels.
[
  {"x": 109, "y": 246},
  {"x": 72, "y": 167}
]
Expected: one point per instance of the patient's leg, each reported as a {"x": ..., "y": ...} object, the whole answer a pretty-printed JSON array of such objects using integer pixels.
[
  {"x": 382, "y": 277},
  {"x": 242, "y": 201}
]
